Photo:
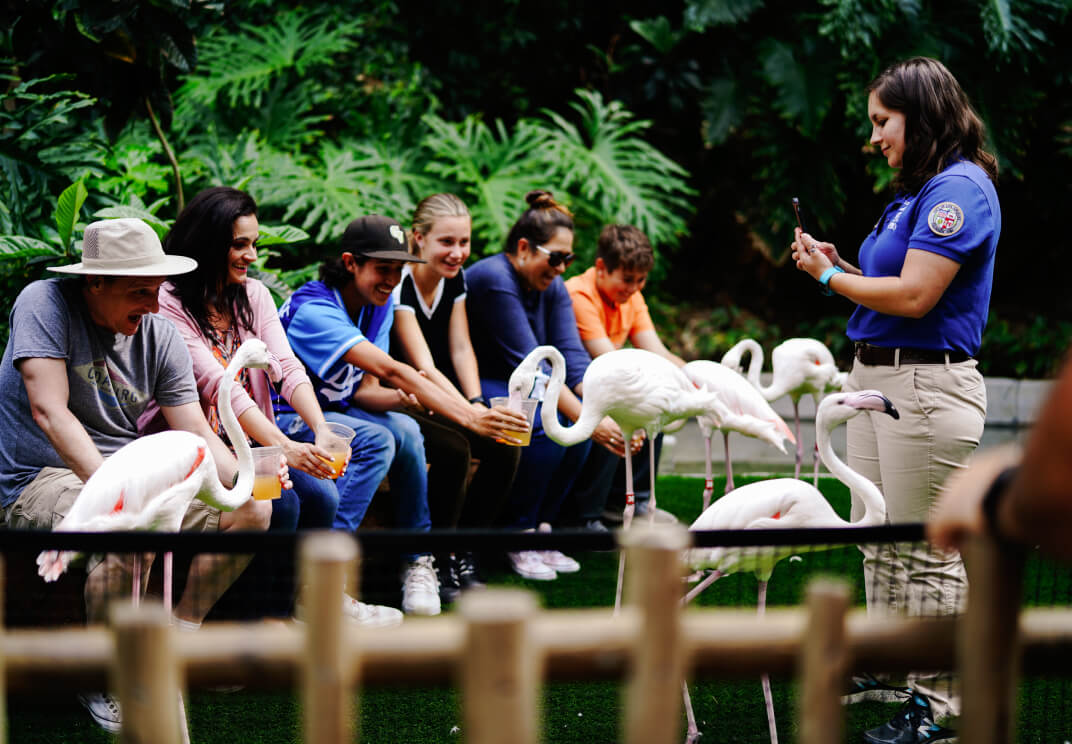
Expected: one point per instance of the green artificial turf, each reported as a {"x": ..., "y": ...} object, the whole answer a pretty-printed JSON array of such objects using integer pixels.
[{"x": 576, "y": 712}]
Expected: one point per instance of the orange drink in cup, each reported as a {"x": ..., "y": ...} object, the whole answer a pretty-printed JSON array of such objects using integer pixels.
[
  {"x": 266, "y": 473},
  {"x": 335, "y": 439},
  {"x": 528, "y": 409}
]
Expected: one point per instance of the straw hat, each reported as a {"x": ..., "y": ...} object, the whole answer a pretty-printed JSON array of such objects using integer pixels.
[{"x": 125, "y": 247}]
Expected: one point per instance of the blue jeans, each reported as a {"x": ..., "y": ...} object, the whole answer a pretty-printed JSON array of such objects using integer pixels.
[
  {"x": 387, "y": 443},
  {"x": 544, "y": 475}
]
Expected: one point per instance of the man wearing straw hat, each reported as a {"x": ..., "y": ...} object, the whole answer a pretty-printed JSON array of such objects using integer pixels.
[{"x": 85, "y": 355}]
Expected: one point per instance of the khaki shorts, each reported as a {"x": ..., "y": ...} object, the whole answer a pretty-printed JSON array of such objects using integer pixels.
[{"x": 48, "y": 498}]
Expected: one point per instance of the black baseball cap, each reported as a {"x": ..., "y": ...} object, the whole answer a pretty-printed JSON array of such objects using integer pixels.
[{"x": 375, "y": 236}]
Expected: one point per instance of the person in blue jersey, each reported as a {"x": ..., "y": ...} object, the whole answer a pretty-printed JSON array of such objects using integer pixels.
[
  {"x": 922, "y": 291},
  {"x": 516, "y": 302},
  {"x": 340, "y": 327}
]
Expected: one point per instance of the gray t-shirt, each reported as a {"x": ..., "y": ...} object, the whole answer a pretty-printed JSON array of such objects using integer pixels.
[{"x": 110, "y": 377}]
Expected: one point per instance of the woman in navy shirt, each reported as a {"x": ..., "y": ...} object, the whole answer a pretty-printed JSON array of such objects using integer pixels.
[
  {"x": 516, "y": 302},
  {"x": 922, "y": 292}
]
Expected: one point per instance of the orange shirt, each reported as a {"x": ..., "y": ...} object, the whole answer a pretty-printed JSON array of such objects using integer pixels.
[{"x": 597, "y": 318}]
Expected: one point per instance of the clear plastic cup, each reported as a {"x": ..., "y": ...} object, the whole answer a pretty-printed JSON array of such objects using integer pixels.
[
  {"x": 266, "y": 473},
  {"x": 335, "y": 439},
  {"x": 528, "y": 409}
]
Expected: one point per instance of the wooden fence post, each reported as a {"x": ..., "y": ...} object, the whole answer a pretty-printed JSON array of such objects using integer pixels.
[
  {"x": 328, "y": 672},
  {"x": 988, "y": 642},
  {"x": 824, "y": 662},
  {"x": 654, "y": 589},
  {"x": 146, "y": 674},
  {"x": 500, "y": 667}
]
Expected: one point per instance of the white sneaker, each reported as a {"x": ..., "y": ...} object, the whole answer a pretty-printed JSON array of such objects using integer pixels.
[
  {"x": 370, "y": 615},
  {"x": 556, "y": 559},
  {"x": 560, "y": 562},
  {"x": 529, "y": 564},
  {"x": 104, "y": 709},
  {"x": 420, "y": 588}
]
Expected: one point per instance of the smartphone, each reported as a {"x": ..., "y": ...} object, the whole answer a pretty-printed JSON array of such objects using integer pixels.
[{"x": 799, "y": 212}]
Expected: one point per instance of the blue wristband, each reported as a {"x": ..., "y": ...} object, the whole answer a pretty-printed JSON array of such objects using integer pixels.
[{"x": 825, "y": 278}]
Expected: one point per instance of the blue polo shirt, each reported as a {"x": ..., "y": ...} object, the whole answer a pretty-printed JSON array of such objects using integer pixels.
[
  {"x": 956, "y": 214},
  {"x": 321, "y": 332}
]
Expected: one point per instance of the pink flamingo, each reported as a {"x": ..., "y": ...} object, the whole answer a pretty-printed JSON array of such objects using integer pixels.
[
  {"x": 801, "y": 366},
  {"x": 785, "y": 503},
  {"x": 149, "y": 483},
  {"x": 636, "y": 388},
  {"x": 746, "y": 412}
]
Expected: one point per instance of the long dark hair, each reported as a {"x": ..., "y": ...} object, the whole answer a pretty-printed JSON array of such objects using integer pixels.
[
  {"x": 204, "y": 231},
  {"x": 940, "y": 124},
  {"x": 539, "y": 222}
]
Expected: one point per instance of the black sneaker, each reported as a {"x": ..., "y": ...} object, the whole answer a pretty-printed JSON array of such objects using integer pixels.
[
  {"x": 449, "y": 586},
  {"x": 868, "y": 687},
  {"x": 913, "y": 725},
  {"x": 468, "y": 572}
]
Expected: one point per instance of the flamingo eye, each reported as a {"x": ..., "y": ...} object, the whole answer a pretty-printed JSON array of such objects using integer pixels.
[{"x": 817, "y": 363}]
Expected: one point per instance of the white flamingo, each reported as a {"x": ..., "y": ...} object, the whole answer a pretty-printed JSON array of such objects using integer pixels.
[
  {"x": 149, "y": 483},
  {"x": 800, "y": 366},
  {"x": 636, "y": 388},
  {"x": 786, "y": 503},
  {"x": 749, "y": 414}
]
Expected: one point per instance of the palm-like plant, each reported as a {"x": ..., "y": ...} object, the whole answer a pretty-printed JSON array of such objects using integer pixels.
[{"x": 610, "y": 166}]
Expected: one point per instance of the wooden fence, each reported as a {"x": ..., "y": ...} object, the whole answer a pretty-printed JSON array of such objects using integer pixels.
[{"x": 499, "y": 647}]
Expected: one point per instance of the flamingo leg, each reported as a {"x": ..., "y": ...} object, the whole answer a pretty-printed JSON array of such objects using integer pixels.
[
  {"x": 651, "y": 476},
  {"x": 693, "y": 733},
  {"x": 800, "y": 444},
  {"x": 135, "y": 581},
  {"x": 169, "y": 558},
  {"x": 627, "y": 519},
  {"x": 815, "y": 451},
  {"x": 729, "y": 462},
  {"x": 709, "y": 483},
  {"x": 768, "y": 698}
]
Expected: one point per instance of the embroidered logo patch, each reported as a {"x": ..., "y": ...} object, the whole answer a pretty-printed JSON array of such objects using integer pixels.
[
  {"x": 945, "y": 219},
  {"x": 397, "y": 234}
]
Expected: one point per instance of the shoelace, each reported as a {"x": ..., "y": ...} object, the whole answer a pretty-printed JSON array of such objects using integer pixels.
[{"x": 421, "y": 576}]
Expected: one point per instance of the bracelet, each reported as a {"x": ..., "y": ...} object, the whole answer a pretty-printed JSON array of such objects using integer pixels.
[
  {"x": 825, "y": 278},
  {"x": 479, "y": 399},
  {"x": 992, "y": 499}
]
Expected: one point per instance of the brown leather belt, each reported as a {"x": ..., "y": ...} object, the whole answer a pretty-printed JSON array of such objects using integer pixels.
[{"x": 876, "y": 356}]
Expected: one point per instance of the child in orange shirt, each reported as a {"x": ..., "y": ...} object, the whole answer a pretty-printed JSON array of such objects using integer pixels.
[{"x": 610, "y": 311}]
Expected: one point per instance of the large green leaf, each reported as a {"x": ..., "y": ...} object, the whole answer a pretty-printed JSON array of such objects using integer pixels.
[
  {"x": 160, "y": 226},
  {"x": 21, "y": 246},
  {"x": 280, "y": 235},
  {"x": 622, "y": 175},
  {"x": 67, "y": 208}
]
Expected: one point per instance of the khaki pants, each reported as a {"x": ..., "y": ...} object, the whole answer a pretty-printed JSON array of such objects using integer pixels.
[
  {"x": 46, "y": 501},
  {"x": 943, "y": 410}
]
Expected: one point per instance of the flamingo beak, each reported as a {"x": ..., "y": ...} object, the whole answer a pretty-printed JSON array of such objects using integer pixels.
[{"x": 872, "y": 400}]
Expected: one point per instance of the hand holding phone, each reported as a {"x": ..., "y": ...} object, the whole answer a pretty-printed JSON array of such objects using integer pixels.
[{"x": 798, "y": 211}]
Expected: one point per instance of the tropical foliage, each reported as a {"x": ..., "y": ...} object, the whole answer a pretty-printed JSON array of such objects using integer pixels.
[{"x": 696, "y": 120}]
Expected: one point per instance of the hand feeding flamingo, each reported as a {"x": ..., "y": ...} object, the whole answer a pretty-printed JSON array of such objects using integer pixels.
[
  {"x": 786, "y": 503},
  {"x": 636, "y": 388},
  {"x": 749, "y": 413},
  {"x": 801, "y": 366},
  {"x": 149, "y": 483}
]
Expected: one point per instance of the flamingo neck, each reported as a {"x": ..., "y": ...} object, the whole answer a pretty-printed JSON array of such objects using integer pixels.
[
  {"x": 582, "y": 428},
  {"x": 244, "y": 484},
  {"x": 874, "y": 504}
]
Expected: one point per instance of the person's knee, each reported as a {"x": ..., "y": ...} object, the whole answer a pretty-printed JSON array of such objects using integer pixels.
[{"x": 252, "y": 515}]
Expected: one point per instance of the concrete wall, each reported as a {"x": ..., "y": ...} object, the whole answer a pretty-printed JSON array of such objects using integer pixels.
[{"x": 1012, "y": 407}]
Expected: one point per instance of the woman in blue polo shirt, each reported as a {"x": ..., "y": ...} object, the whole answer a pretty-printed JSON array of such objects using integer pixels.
[{"x": 922, "y": 292}]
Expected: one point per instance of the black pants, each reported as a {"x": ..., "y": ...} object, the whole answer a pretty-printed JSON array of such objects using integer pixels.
[
  {"x": 601, "y": 484},
  {"x": 449, "y": 449}
]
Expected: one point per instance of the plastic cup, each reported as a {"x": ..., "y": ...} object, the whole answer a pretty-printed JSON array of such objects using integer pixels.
[
  {"x": 266, "y": 473},
  {"x": 335, "y": 439},
  {"x": 528, "y": 408}
]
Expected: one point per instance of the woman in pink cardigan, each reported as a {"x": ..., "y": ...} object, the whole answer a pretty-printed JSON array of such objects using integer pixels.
[{"x": 216, "y": 307}]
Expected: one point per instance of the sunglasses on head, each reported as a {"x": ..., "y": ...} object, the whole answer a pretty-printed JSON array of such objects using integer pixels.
[{"x": 554, "y": 258}]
